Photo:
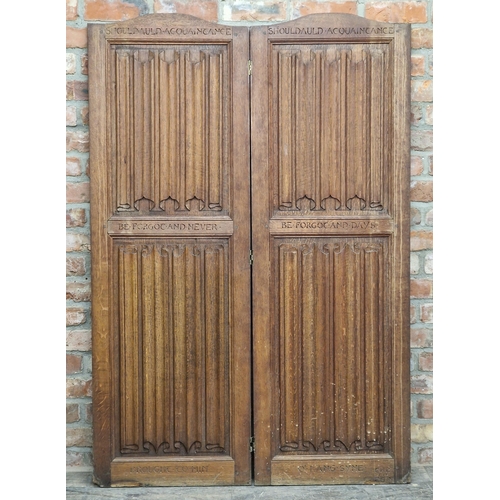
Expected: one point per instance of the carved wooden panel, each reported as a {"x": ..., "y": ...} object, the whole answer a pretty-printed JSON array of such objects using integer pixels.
[
  {"x": 330, "y": 157},
  {"x": 331, "y": 148},
  {"x": 170, "y": 241},
  {"x": 170, "y": 108},
  {"x": 332, "y": 343},
  {"x": 172, "y": 312}
]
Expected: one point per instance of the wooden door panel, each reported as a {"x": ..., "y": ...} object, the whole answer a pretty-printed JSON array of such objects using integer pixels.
[
  {"x": 331, "y": 344},
  {"x": 170, "y": 246},
  {"x": 330, "y": 157},
  {"x": 173, "y": 322}
]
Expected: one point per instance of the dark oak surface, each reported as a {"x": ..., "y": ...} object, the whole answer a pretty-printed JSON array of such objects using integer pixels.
[
  {"x": 171, "y": 182},
  {"x": 330, "y": 235},
  {"x": 170, "y": 244}
]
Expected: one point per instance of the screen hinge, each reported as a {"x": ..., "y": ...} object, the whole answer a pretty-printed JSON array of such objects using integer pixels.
[
  {"x": 249, "y": 67},
  {"x": 250, "y": 257},
  {"x": 252, "y": 444}
]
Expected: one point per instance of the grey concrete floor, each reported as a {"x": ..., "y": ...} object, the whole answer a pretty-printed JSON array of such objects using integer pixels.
[{"x": 79, "y": 486}]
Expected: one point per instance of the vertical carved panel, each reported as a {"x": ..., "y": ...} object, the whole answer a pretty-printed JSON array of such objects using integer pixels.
[
  {"x": 333, "y": 338},
  {"x": 332, "y": 107},
  {"x": 171, "y": 113},
  {"x": 174, "y": 345}
]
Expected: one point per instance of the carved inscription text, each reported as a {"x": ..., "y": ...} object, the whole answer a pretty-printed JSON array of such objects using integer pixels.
[
  {"x": 170, "y": 469},
  {"x": 317, "y": 226},
  {"x": 173, "y": 31},
  {"x": 169, "y": 227},
  {"x": 318, "y": 30}
]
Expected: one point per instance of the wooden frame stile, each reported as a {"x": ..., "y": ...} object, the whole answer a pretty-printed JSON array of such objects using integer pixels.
[
  {"x": 210, "y": 239},
  {"x": 294, "y": 65},
  {"x": 101, "y": 323}
]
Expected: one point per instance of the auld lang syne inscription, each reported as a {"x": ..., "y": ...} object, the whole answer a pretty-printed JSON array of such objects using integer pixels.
[
  {"x": 317, "y": 226},
  {"x": 169, "y": 227},
  {"x": 170, "y": 469},
  {"x": 167, "y": 30},
  {"x": 318, "y": 30}
]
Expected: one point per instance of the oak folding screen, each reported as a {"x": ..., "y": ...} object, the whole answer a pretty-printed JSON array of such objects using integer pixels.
[{"x": 214, "y": 148}]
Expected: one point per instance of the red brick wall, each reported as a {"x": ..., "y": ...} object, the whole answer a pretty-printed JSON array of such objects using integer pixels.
[{"x": 78, "y": 343}]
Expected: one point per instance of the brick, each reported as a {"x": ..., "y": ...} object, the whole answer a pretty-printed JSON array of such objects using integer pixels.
[
  {"x": 70, "y": 90},
  {"x": 85, "y": 65},
  {"x": 397, "y": 12},
  {"x": 70, "y": 116},
  {"x": 425, "y": 408},
  {"x": 76, "y": 436},
  {"x": 420, "y": 289},
  {"x": 414, "y": 264},
  {"x": 425, "y": 361},
  {"x": 77, "y": 242},
  {"x": 77, "y": 140},
  {"x": 417, "y": 65},
  {"x": 73, "y": 364},
  {"x": 421, "y": 38},
  {"x": 421, "y": 433},
  {"x": 263, "y": 10},
  {"x": 74, "y": 458},
  {"x": 88, "y": 413},
  {"x": 78, "y": 388},
  {"x": 84, "y": 113},
  {"x": 420, "y": 240},
  {"x": 416, "y": 114},
  {"x": 71, "y": 10},
  {"x": 413, "y": 314},
  {"x": 76, "y": 217},
  {"x": 421, "y": 191},
  {"x": 114, "y": 10},
  {"x": 425, "y": 456},
  {"x": 428, "y": 264},
  {"x": 73, "y": 167},
  {"x": 76, "y": 38},
  {"x": 420, "y": 337},
  {"x": 421, "y": 140},
  {"x": 75, "y": 266},
  {"x": 415, "y": 216},
  {"x": 77, "y": 90},
  {"x": 429, "y": 218},
  {"x": 426, "y": 313},
  {"x": 72, "y": 413},
  {"x": 79, "y": 340},
  {"x": 421, "y": 90},
  {"x": 81, "y": 90},
  {"x": 77, "y": 192},
  {"x": 204, "y": 9},
  {"x": 417, "y": 165},
  {"x": 75, "y": 316},
  {"x": 421, "y": 384},
  {"x": 70, "y": 64},
  {"x": 300, "y": 8},
  {"x": 429, "y": 112},
  {"x": 78, "y": 292},
  {"x": 431, "y": 165}
]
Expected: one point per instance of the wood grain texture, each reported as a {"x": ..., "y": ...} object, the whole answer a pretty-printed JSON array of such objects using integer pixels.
[
  {"x": 171, "y": 113},
  {"x": 172, "y": 148},
  {"x": 174, "y": 344},
  {"x": 331, "y": 159},
  {"x": 333, "y": 344},
  {"x": 170, "y": 240},
  {"x": 331, "y": 147}
]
